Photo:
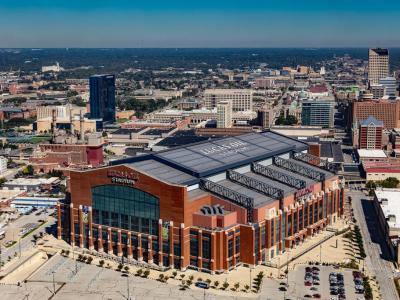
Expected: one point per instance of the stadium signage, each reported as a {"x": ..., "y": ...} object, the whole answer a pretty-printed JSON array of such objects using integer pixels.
[
  {"x": 303, "y": 193},
  {"x": 120, "y": 177},
  {"x": 232, "y": 147}
]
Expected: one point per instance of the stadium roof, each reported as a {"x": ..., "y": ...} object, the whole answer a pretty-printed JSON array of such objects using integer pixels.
[{"x": 215, "y": 156}]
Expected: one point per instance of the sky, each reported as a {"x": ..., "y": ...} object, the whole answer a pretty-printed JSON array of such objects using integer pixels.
[{"x": 202, "y": 23}]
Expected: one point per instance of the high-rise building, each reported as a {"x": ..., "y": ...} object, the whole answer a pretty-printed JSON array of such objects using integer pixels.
[
  {"x": 386, "y": 111},
  {"x": 265, "y": 116},
  {"x": 102, "y": 97},
  {"x": 242, "y": 100},
  {"x": 224, "y": 112},
  {"x": 390, "y": 85},
  {"x": 377, "y": 90},
  {"x": 318, "y": 113},
  {"x": 3, "y": 164},
  {"x": 378, "y": 65},
  {"x": 370, "y": 134}
]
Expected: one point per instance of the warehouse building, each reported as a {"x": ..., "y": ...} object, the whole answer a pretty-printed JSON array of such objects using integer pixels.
[{"x": 211, "y": 205}]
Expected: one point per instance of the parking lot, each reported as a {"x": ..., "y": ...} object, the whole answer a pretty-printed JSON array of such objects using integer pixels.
[{"x": 320, "y": 282}]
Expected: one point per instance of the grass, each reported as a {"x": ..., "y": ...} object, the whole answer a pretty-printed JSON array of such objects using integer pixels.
[{"x": 32, "y": 230}]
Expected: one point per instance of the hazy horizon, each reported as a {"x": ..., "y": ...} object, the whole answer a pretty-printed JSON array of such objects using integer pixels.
[{"x": 205, "y": 24}]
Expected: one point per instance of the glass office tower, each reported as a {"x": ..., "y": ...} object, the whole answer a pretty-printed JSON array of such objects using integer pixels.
[{"x": 102, "y": 97}]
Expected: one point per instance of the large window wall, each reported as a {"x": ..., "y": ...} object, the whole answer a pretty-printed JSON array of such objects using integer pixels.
[{"x": 125, "y": 207}]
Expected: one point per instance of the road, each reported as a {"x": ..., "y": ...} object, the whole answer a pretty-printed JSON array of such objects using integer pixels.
[
  {"x": 377, "y": 252},
  {"x": 25, "y": 243}
]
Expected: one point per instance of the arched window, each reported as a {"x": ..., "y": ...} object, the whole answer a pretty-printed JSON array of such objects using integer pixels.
[{"x": 125, "y": 207}]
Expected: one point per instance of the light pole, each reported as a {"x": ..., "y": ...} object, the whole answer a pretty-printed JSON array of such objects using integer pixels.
[
  {"x": 54, "y": 284},
  {"x": 127, "y": 287},
  {"x": 251, "y": 286},
  {"x": 320, "y": 254}
]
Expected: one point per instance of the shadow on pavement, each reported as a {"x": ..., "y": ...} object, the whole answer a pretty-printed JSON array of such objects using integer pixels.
[{"x": 374, "y": 229}]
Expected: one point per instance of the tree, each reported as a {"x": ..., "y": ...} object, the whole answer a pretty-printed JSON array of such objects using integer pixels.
[
  {"x": 236, "y": 286},
  {"x": 2, "y": 181},
  {"x": 390, "y": 182},
  {"x": 28, "y": 170},
  {"x": 126, "y": 268},
  {"x": 225, "y": 285},
  {"x": 216, "y": 283}
]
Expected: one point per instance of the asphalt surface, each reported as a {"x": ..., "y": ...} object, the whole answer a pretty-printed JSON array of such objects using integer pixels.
[
  {"x": 23, "y": 244},
  {"x": 378, "y": 258}
]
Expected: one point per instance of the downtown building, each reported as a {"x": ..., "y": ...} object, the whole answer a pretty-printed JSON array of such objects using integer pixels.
[
  {"x": 210, "y": 206},
  {"x": 318, "y": 113},
  {"x": 242, "y": 99},
  {"x": 102, "y": 97},
  {"x": 378, "y": 65}
]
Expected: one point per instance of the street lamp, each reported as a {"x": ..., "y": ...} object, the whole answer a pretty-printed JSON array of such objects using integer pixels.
[
  {"x": 54, "y": 284},
  {"x": 127, "y": 286}
]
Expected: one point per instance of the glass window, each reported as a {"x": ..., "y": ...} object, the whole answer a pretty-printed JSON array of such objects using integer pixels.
[
  {"x": 230, "y": 247},
  {"x": 237, "y": 250},
  {"x": 206, "y": 247},
  {"x": 114, "y": 204}
]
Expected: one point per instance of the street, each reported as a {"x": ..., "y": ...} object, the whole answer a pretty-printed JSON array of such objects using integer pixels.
[
  {"x": 25, "y": 243},
  {"x": 377, "y": 260}
]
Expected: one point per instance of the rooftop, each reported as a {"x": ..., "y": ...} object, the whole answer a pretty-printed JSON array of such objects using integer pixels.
[
  {"x": 371, "y": 153},
  {"x": 371, "y": 121},
  {"x": 389, "y": 200},
  {"x": 213, "y": 156}
]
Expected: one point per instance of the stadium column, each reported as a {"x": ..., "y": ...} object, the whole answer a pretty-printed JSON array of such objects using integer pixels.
[
  {"x": 119, "y": 244},
  {"x": 139, "y": 247},
  {"x": 59, "y": 230},
  {"x": 200, "y": 249},
  {"x": 72, "y": 224},
  {"x": 292, "y": 223},
  {"x": 90, "y": 220},
  {"x": 160, "y": 243},
  {"x": 234, "y": 249},
  {"x": 268, "y": 234},
  {"x": 171, "y": 244},
  {"x": 297, "y": 219},
  {"x": 280, "y": 233},
  {"x": 150, "y": 251},
  {"x": 100, "y": 240},
  {"x": 80, "y": 220},
  {"x": 129, "y": 245},
  {"x": 185, "y": 246},
  {"x": 259, "y": 246},
  {"x": 213, "y": 252},
  {"x": 341, "y": 198},
  {"x": 110, "y": 243},
  {"x": 225, "y": 252}
]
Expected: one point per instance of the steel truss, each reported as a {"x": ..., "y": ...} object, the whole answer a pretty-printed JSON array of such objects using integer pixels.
[
  {"x": 299, "y": 169},
  {"x": 278, "y": 176},
  {"x": 255, "y": 184},
  {"x": 235, "y": 197},
  {"x": 314, "y": 160}
]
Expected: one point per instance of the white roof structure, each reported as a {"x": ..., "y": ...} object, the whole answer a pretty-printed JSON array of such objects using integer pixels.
[
  {"x": 389, "y": 200},
  {"x": 371, "y": 153}
]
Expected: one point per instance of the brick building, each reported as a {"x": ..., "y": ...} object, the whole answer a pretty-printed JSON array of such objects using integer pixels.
[
  {"x": 386, "y": 111},
  {"x": 212, "y": 205},
  {"x": 370, "y": 134}
]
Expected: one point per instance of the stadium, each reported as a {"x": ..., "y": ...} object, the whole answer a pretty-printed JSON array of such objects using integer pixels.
[{"x": 211, "y": 205}]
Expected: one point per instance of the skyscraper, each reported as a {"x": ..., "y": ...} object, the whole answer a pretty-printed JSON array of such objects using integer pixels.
[
  {"x": 378, "y": 65},
  {"x": 224, "y": 111},
  {"x": 371, "y": 132},
  {"x": 242, "y": 99},
  {"x": 102, "y": 97},
  {"x": 318, "y": 113}
]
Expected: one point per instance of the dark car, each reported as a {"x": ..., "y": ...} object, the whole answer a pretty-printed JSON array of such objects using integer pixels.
[{"x": 202, "y": 284}]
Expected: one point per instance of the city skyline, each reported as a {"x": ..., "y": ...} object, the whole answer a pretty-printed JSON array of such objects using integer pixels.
[{"x": 125, "y": 24}]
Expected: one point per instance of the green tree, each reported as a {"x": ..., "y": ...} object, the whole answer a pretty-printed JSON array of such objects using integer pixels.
[{"x": 28, "y": 170}]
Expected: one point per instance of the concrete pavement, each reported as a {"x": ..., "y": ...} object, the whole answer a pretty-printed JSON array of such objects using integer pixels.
[{"x": 377, "y": 261}]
